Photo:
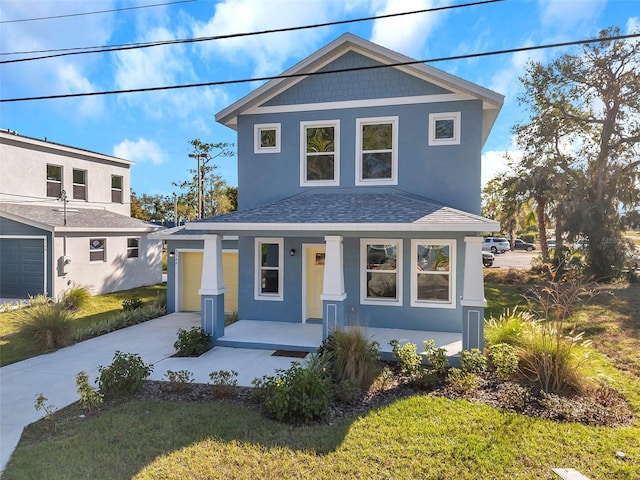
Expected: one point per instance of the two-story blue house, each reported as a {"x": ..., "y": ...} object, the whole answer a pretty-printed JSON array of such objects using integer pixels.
[{"x": 359, "y": 201}]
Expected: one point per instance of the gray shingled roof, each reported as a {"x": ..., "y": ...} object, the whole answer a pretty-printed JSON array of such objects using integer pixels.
[
  {"x": 77, "y": 218},
  {"x": 349, "y": 208}
]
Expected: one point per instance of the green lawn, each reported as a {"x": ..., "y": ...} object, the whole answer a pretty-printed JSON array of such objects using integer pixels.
[
  {"x": 417, "y": 437},
  {"x": 98, "y": 308}
]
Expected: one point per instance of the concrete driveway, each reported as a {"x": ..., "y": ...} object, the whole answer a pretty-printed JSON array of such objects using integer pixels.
[{"x": 53, "y": 374}]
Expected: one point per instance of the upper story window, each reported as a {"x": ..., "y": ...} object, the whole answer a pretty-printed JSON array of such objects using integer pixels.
[
  {"x": 116, "y": 189},
  {"x": 269, "y": 269},
  {"x": 97, "y": 249},
  {"x": 444, "y": 128},
  {"x": 54, "y": 181},
  {"x": 133, "y": 247},
  {"x": 377, "y": 151},
  {"x": 381, "y": 272},
  {"x": 266, "y": 138},
  {"x": 79, "y": 184},
  {"x": 320, "y": 153},
  {"x": 433, "y": 278}
]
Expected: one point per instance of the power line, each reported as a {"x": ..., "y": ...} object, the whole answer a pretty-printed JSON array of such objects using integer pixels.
[
  {"x": 55, "y": 17},
  {"x": 132, "y": 46},
  {"x": 342, "y": 70}
]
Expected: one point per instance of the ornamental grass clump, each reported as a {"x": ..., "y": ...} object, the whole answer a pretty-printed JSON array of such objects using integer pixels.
[
  {"x": 45, "y": 328},
  {"x": 508, "y": 328}
]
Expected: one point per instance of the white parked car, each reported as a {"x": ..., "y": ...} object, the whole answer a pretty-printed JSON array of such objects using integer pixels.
[{"x": 495, "y": 245}]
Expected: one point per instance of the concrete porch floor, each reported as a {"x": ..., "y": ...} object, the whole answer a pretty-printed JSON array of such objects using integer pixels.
[{"x": 308, "y": 336}]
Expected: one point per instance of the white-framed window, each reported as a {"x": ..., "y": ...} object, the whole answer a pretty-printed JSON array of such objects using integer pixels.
[
  {"x": 79, "y": 184},
  {"x": 133, "y": 247},
  {"x": 266, "y": 138},
  {"x": 97, "y": 249},
  {"x": 381, "y": 272},
  {"x": 377, "y": 151},
  {"x": 269, "y": 279},
  {"x": 433, "y": 279},
  {"x": 54, "y": 181},
  {"x": 444, "y": 128},
  {"x": 320, "y": 153},
  {"x": 116, "y": 189}
]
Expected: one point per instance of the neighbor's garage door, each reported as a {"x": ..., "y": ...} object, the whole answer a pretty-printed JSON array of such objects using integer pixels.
[
  {"x": 192, "y": 276},
  {"x": 21, "y": 267}
]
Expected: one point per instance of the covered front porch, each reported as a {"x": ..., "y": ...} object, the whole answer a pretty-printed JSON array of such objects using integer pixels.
[{"x": 307, "y": 337}]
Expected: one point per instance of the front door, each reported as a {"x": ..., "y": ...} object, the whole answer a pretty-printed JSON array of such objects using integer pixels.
[{"x": 314, "y": 276}]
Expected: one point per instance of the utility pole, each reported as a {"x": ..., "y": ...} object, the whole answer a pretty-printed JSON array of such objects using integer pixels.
[{"x": 175, "y": 209}]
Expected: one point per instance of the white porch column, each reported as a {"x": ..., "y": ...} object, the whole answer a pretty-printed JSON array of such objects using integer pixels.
[
  {"x": 333, "y": 283},
  {"x": 212, "y": 282},
  {"x": 473, "y": 290}
]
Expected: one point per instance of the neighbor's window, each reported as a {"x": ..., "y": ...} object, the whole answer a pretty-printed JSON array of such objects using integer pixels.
[
  {"x": 266, "y": 138},
  {"x": 116, "y": 189},
  {"x": 79, "y": 184},
  {"x": 97, "y": 249},
  {"x": 54, "y": 181},
  {"x": 381, "y": 279},
  {"x": 133, "y": 247},
  {"x": 269, "y": 269},
  {"x": 433, "y": 279},
  {"x": 377, "y": 151},
  {"x": 319, "y": 156},
  {"x": 444, "y": 128}
]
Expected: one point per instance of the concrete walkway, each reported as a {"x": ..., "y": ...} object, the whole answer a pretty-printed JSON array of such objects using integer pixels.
[{"x": 53, "y": 374}]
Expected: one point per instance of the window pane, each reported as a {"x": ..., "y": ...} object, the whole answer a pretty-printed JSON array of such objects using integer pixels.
[
  {"x": 269, "y": 281},
  {"x": 377, "y": 137},
  {"x": 320, "y": 167},
  {"x": 444, "y": 129},
  {"x": 54, "y": 173},
  {"x": 132, "y": 242},
  {"x": 54, "y": 189},
  {"x": 376, "y": 165},
  {"x": 268, "y": 138},
  {"x": 96, "y": 249},
  {"x": 381, "y": 284},
  {"x": 433, "y": 258},
  {"x": 381, "y": 257},
  {"x": 270, "y": 255},
  {"x": 80, "y": 177},
  {"x": 116, "y": 196},
  {"x": 116, "y": 182},
  {"x": 433, "y": 287},
  {"x": 320, "y": 139}
]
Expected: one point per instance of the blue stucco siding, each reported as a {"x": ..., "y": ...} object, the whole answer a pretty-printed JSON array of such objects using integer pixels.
[
  {"x": 446, "y": 174},
  {"x": 389, "y": 316},
  {"x": 357, "y": 85}
]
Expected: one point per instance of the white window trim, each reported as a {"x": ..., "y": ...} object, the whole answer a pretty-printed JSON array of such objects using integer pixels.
[
  {"x": 104, "y": 250},
  {"x": 433, "y": 117},
  {"x": 257, "y": 148},
  {"x": 364, "y": 300},
  {"x": 360, "y": 122},
  {"x": 133, "y": 248},
  {"x": 336, "y": 153},
  {"x": 257, "y": 294},
  {"x": 452, "y": 303}
]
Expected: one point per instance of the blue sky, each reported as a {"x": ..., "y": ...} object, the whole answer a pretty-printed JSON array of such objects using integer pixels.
[{"x": 154, "y": 129}]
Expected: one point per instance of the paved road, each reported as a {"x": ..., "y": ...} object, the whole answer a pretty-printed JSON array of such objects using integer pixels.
[{"x": 518, "y": 259}]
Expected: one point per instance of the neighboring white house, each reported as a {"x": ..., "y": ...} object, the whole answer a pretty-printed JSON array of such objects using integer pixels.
[{"x": 65, "y": 220}]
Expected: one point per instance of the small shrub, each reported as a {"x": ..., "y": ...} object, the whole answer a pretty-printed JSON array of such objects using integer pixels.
[
  {"x": 125, "y": 374},
  {"x": 192, "y": 343},
  {"x": 346, "y": 392},
  {"x": 179, "y": 380},
  {"x": 473, "y": 361},
  {"x": 349, "y": 355},
  {"x": 45, "y": 328},
  {"x": 437, "y": 357},
  {"x": 41, "y": 404},
  {"x": 462, "y": 382},
  {"x": 131, "y": 303},
  {"x": 40, "y": 301},
  {"x": 223, "y": 382},
  {"x": 75, "y": 298},
  {"x": 409, "y": 360},
  {"x": 508, "y": 328},
  {"x": 297, "y": 395},
  {"x": 426, "y": 379},
  {"x": 383, "y": 381},
  {"x": 90, "y": 398},
  {"x": 513, "y": 396},
  {"x": 504, "y": 359}
]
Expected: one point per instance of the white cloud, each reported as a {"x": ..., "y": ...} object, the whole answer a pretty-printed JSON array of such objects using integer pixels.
[
  {"x": 632, "y": 26},
  {"x": 505, "y": 80},
  {"x": 406, "y": 34},
  {"x": 140, "y": 150},
  {"x": 564, "y": 16},
  {"x": 495, "y": 162}
]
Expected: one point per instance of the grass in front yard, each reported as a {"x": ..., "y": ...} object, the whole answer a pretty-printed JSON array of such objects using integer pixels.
[
  {"x": 99, "y": 307},
  {"x": 418, "y": 437}
]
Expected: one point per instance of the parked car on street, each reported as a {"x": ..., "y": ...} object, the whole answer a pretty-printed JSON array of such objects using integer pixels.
[
  {"x": 520, "y": 244},
  {"x": 581, "y": 244},
  {"x": 495, "y": 245},
  {"x": 487, "y": 259}
]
